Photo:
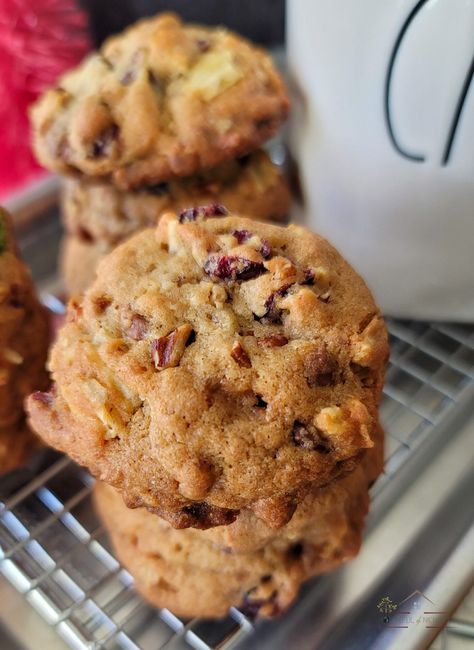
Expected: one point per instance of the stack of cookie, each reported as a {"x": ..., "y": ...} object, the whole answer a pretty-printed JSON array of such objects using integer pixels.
[
  {"x": 222, "y": 376},
  {"x": 24, "y": 338},
  {"x": 164, "y": 117}
]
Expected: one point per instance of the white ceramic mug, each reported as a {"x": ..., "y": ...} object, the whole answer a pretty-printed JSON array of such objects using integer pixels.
[{"x": 383, "y": 134}]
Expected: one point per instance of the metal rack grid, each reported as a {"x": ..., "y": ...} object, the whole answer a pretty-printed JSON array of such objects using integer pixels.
[{"x": 54, "y": 551}]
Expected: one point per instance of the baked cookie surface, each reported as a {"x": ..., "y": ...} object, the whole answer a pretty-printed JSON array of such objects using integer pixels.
[
  {"x": 181, "y": 570},
  {"x": 217, "y": 364},
  {"x": 321, "y": 511},
  {"x": 24, "y": 338},
  {"x": 161, "y": 99}
]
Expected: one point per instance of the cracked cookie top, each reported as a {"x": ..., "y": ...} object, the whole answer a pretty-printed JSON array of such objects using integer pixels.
[
  {"x": 218, "y": 363},
  {"x": 161, "y": 99}
]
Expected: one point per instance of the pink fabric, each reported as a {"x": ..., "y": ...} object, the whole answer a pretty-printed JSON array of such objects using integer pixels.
[{"x": 39, "y": 39}]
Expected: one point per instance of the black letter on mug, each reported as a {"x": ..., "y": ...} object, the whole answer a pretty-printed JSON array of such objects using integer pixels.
[
  {"x": 388, "y": 81},
  {"x": 457, "y": 114}
]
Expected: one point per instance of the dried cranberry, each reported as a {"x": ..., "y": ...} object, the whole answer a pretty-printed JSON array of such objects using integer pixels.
[
  {"x": 251, "y": 608},
  {"x": 45, "y": 398},
  {"x": 242, "y": 235},
  {"x": 232, "y": 267},
  {"x": 211, "y": 210},
  {"x": 310, "y": 438},
  {"x": 265, "y": 249},
  {"x": 273, "y": 313}
]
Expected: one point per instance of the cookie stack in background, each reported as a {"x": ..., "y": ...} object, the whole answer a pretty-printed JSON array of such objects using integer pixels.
[
  {"x": 166, "y": 116},
  {"x": 221, "y": 376},
  {"x": 24, "y": 339}
]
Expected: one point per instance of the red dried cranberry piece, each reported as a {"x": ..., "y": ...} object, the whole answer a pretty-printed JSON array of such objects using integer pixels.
[
  {"x": 251, "y": 608},
  {"x": 211, "y": 210},
  {"x": 232, "y": 267},
  {"x": 265, "y": 249},
  {"x": 309, "y": 438},
  {"x": 273, "y": 313},
  {"x": 242, "y": 235}
]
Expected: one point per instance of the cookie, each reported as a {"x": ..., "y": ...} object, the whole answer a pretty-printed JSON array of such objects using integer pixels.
[
  {"x": 317, "y": 513},
  {"x": 217, "y": 364},
  {"x": 161, "y": 99},
  {"x": 182, "y": 571},
  {"x": 23, "y": 348},
  {"x": 78, "y": 260},
  {"x": 98, "y": 216},
  {"x": 98, "y": 211}
]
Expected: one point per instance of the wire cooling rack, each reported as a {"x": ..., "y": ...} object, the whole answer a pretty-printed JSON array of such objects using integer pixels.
[{"x": 54, "y": 551}]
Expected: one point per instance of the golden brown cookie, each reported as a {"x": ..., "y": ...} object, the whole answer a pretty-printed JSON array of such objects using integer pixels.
[
  {"x": 78, "y": 260},
  {"x": 181, "y": 570},
  {"x": 218, "y": 364},
  {"x": 23, "y": 348},
  {"x": 317, "y": 513},
  {"x": 161, "y": 99},
  {"x": 98, "y": 211}
]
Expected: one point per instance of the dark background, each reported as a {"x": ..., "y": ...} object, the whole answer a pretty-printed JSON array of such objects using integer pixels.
[{"x": 260, "y": 20}]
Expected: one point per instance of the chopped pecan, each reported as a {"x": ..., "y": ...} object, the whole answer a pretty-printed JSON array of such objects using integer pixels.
[
  {"x": 138, "y": 327},
  {"x": 320, "y": 367},
  {"x": 231, "y": 267},
  {"x": 272, "y": 341},
  {"x": 168, "y": 350},
  {"x": 240, "y": 355},
  {"x": 310, "y": 438}
]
